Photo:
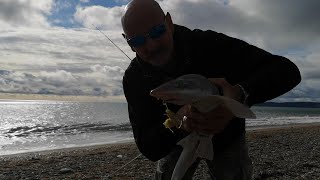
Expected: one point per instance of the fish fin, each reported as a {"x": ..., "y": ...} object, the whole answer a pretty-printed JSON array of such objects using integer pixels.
[
  {"x": 187, "y": 156},
  {"x": 185, "y": 142},
  {"x": 238, "y": 109},
  {"x": 208, "y": 103},
  {"x": 205, "y": 148}
]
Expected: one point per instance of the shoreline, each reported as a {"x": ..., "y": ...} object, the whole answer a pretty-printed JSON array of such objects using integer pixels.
[
  {"x": 277, "y": 153},
  {"x": 47, "y": 151},
  {"x": 131, "y": 140},
  {"x": 283, "y": 126}
]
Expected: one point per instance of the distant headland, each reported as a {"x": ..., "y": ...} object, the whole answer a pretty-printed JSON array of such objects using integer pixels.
[{"x": 291, "y": 104}]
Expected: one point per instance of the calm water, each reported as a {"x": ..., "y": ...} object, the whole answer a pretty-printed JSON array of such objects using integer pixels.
[
  {"x": 40, "y": 125},
  {"x": 275, "y": 116}
]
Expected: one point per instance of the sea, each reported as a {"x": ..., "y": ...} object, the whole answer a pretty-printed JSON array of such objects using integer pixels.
[{"x": 29, "y": 126}]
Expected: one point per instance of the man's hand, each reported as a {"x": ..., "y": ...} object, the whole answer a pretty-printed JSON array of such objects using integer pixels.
[
  {"x": 211, "y": 122},
  {"x": 229, "y": 90},
  {"x": 214, "y": 121}
]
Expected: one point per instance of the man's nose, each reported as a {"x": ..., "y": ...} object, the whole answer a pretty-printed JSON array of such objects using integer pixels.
[{"x": 151, "y": 44}]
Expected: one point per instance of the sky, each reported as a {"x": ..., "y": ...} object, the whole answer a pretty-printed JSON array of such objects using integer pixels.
[{"x": 53, "y": 46}]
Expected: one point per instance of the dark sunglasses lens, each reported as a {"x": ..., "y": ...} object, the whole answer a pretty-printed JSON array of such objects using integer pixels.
[
  {"x": 157, "y": 31},
  {"x": 136, "y": 41}
]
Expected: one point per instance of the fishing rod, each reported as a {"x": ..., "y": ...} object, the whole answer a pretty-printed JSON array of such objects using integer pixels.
[
  {"x": 111, "y": 41},
  {"x": 111, "y": 174}
]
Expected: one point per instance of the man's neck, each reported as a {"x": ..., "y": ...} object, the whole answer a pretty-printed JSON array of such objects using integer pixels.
[{"x": 170, "y": 67}]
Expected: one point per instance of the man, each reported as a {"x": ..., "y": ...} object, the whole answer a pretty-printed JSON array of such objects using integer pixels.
[{"x": 165, "y": 51}]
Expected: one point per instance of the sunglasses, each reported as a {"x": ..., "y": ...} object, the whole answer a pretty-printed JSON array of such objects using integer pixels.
[{"x": 154, "y": 33}]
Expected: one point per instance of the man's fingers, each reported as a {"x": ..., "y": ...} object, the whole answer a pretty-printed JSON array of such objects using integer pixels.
[
  {"x": 218, "y": 81},
  {"x": 202, "y": 129},
  {"x": 209, "y": 123}
]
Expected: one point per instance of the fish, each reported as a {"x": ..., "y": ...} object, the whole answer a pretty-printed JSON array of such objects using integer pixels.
[{"x": 198, "y": 91}]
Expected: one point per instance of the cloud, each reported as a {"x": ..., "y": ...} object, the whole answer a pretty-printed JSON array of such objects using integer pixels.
[
  {"x": 60, "y": 48},
  {"x": 36, "y": 56},
  {"x": 288, "y": 23},
  {"x": 61, "y": 61},
  {"x": 103, "y": 17},
  {"x": 110, "y": 72},
  {"x": 273, "y": 25},
  {"x": 28, "y": 13},
  {"x": 287, "y": 28},
  {"x": 97, "y": 80},
  {"x": 122, "y": 1},
  {"x": 84, "y": 1}
]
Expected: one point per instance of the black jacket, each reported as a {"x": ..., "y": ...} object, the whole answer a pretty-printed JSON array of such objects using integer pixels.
[{"x": 211, "y": 54}]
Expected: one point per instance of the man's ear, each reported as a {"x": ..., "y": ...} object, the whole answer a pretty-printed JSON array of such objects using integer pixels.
[
  {"x": 133, "y": 49},
  {"x": 169, "y": 21},
  {"x": 124, "y": 36}
]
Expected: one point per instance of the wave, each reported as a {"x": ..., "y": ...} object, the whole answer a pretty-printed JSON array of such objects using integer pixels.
[
  {"x": 41, "y": 130},
  {"x": 292, "y": 118},
  {"x": 100, "y": 127},
  {"x": 266, "y": 121}
]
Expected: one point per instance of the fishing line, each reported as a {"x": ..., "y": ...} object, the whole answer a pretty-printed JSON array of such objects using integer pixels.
[
  {"x": 123, "y": 166},
  {"x": 109, "y": 176},
  {"x": 111, "y": 41}
]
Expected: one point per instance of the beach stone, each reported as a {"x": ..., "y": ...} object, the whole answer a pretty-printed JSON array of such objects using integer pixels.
[
  {"x": 65, "y": 170},
  {"x": 284, "y": 154},
  {"x": 35, "y": 159},
  {"x": 119, "y": 156}
]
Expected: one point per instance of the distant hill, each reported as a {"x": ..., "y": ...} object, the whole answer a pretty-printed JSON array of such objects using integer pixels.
[{"x": 291, "y": 104}]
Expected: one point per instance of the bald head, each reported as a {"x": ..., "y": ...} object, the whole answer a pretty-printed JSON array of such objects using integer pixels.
[
  {"x": 141, "y": 18},
  {"x": 141, "y": 12}
]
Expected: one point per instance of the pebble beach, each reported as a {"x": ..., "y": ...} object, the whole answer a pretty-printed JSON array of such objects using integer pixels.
[{"x": 291, "y": 152}]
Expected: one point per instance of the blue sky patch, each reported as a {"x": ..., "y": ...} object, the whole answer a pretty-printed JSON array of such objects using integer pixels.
[{"x": 63, "y": 10}]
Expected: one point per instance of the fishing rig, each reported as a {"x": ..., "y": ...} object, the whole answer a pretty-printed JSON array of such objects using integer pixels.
[
  {"x": 111, "y": 41},
  {"x": 111, "y": 174}
]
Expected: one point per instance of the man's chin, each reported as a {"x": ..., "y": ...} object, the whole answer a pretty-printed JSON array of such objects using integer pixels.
[{"x": 159, "y": 62}]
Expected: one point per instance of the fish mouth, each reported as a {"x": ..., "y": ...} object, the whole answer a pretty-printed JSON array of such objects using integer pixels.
[
  {"x": 156, "y": 93},
  {"x": 162, "y": 94},
  {"x": 166, "y": 96},
  {"x": 174, "y": 97}
]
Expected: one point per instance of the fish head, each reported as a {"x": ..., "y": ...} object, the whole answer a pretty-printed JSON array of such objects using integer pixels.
[{"x": 185, "y": 89}]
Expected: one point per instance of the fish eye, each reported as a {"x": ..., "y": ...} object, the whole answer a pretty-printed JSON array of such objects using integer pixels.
[
  {"x": 184, "y": 84},
  {"x": 181, "y": 84}
]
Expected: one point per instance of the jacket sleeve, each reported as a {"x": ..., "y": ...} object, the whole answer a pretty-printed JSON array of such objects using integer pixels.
[
  {"x": 146, "y": 117},
  {"x": 263, "y": 75}
]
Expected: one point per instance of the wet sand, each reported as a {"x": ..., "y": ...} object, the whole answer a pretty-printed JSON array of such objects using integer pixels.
[{"x": 291, "y": 152}]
